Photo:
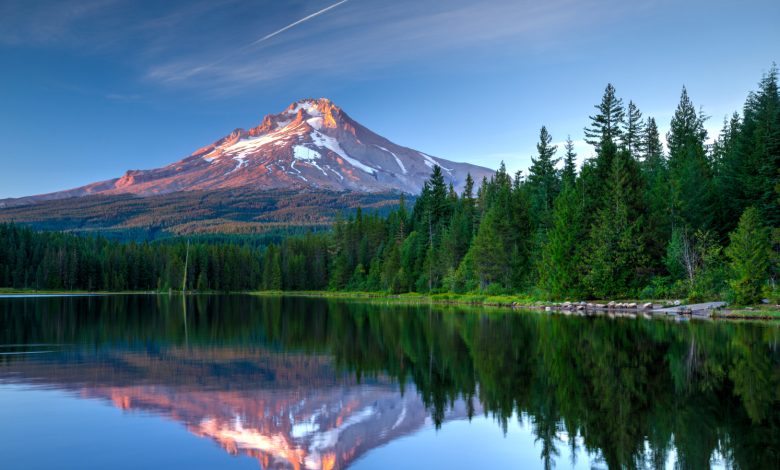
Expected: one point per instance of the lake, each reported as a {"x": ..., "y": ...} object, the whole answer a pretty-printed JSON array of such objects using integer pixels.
[{"x": 238, "y": 381}]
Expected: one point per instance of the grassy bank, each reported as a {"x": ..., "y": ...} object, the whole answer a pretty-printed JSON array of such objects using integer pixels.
[
  {"x": 415, "y": 298},
  {"x": 758, "y": 312}
]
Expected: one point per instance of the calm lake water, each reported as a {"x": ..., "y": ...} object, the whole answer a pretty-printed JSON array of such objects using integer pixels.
[{"x": 148, "y": 381}]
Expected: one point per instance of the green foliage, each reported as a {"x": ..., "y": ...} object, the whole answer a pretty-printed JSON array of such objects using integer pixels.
[
  {"x": 561, "y": 256},
  {"x": 605, "y": 125},
  {"x": 47, "y": 260},
  {"x": 633, "y": 134},
  {"x": 569, "y": 173},
  {"x": 749, "y": 255},
  {"x": 632, "y": 221},
  {"x": 543, "y": 180},
  {"x": 690, "y": 173}
]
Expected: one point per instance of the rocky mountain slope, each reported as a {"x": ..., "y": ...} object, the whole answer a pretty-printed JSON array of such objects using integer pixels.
[{"x": 312, "y": 144}]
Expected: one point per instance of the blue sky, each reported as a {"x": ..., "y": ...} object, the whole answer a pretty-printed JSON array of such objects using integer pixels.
[{"x": 92, "y": 88}]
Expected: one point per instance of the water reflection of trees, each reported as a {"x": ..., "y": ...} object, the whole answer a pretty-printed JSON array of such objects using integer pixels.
[{"x": 632, "y": 389}]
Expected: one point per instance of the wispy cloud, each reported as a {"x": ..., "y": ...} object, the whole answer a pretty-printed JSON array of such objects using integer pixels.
[
  {"x": 41, "y": 23},
  {"x": 370, "y": 35},
  {"x": 214, "y": 45},
  {"x": 234, "y": 53}
]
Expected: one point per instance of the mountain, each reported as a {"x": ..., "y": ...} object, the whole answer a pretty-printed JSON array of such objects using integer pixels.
[{"x": 312, "y": 144}]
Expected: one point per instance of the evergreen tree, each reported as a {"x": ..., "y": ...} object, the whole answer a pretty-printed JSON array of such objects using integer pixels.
[
  {"x": 605, "y": 125},
  {"x": 749, "y": 254},
  {"x": 561, "y": 254},
  {"x": 633, "y": 131},
  {"x": 651, "y": 146},
  {"x": 690, "y": 174},
  {"x": 569, "y": 173},
  {"x": 616, "y": 259},
  {"x": 488, "y": 254},
  {"x": 543, "y": 180},
  {"x": 726, "y": 162},
  {"x": 751, "y": 169},
  {"x": 657, "y": 197}
]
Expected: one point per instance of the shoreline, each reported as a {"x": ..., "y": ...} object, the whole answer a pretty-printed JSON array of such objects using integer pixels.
[
  {"x": 611, "y": 309},
  {"x": 516, "y": 303}
]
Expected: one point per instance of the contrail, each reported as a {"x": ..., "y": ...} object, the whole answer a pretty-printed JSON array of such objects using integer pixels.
[
  {"x": 292, "y": 25},
  {"x": 197, "y": 70}
]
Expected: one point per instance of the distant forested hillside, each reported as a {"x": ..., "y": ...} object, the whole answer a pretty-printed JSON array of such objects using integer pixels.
[{"x": 243, "y": 210}]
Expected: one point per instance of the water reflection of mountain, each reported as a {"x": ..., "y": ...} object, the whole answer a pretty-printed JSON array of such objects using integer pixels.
[
  {"x": 635, "y": 390},
  {"x": 286, "y": 410}
]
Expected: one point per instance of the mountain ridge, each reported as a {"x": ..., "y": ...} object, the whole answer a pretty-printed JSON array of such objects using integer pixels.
[{"x": 311, "y": 144}]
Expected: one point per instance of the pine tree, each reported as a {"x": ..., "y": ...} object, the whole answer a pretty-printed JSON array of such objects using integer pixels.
[
  {"x": 633, "y": 131},
  {"x": 753, "y": 169},
  {"x": 468, "y": 187},
  {"x": 616, "y": 258},
  {"x": 749, "y": 254},
  {"x": 561, "y": 255},
  {"x": 488, "y": 253},
  {"x": 543, "y": 180},
  {"x": 690, "y": 173},
  {"x": 605, "y": 125},
  {"x": 727, "y": 186},
  {"x": 569, "y": 173},
  {"x": 653, "y": 150},
  {"x": 657, "y": 197}
]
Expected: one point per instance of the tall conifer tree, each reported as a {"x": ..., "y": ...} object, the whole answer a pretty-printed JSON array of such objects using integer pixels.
[
  {"x": 690, "y": 174},
  {"x": 605, "y": 124},
  {"x": 633, "y": 133},
  {"x": 569, "y": 173}
]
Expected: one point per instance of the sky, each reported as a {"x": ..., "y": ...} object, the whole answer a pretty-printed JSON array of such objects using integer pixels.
[{"x": 92, "y": 88}]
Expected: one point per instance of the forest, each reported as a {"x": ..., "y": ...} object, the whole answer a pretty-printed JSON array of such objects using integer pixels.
[{"x": 694, "y": 218}]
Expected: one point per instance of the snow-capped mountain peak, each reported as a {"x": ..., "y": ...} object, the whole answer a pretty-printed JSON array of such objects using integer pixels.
[{"x": 312, "y": 143}]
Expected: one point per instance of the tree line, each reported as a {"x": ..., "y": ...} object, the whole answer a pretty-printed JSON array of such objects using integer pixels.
[
  {"x": 690, "y": 219},
  {"x": 60, "y": 261},
  {"x": 696, "y": 220}
]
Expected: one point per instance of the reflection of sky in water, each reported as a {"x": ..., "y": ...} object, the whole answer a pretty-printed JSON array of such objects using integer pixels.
[
  {"x": 48, "y": 428},
  {"x": 45, "y": 429},
  {"x": 134, "y": 382}
]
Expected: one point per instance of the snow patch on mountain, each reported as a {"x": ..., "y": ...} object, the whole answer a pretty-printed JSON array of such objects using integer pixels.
[
  {"x": 322, "y": 140},
  {"x": 308, "y": 156},
  {"x": 315, "y": 122},
  {"x": 397, "y": 160},
  {"x": 301, "y": 152},
  {"x": 241, "y": 162},
  {"x": 245, "y": 147},
  {"x": 430, "y": 162}
]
